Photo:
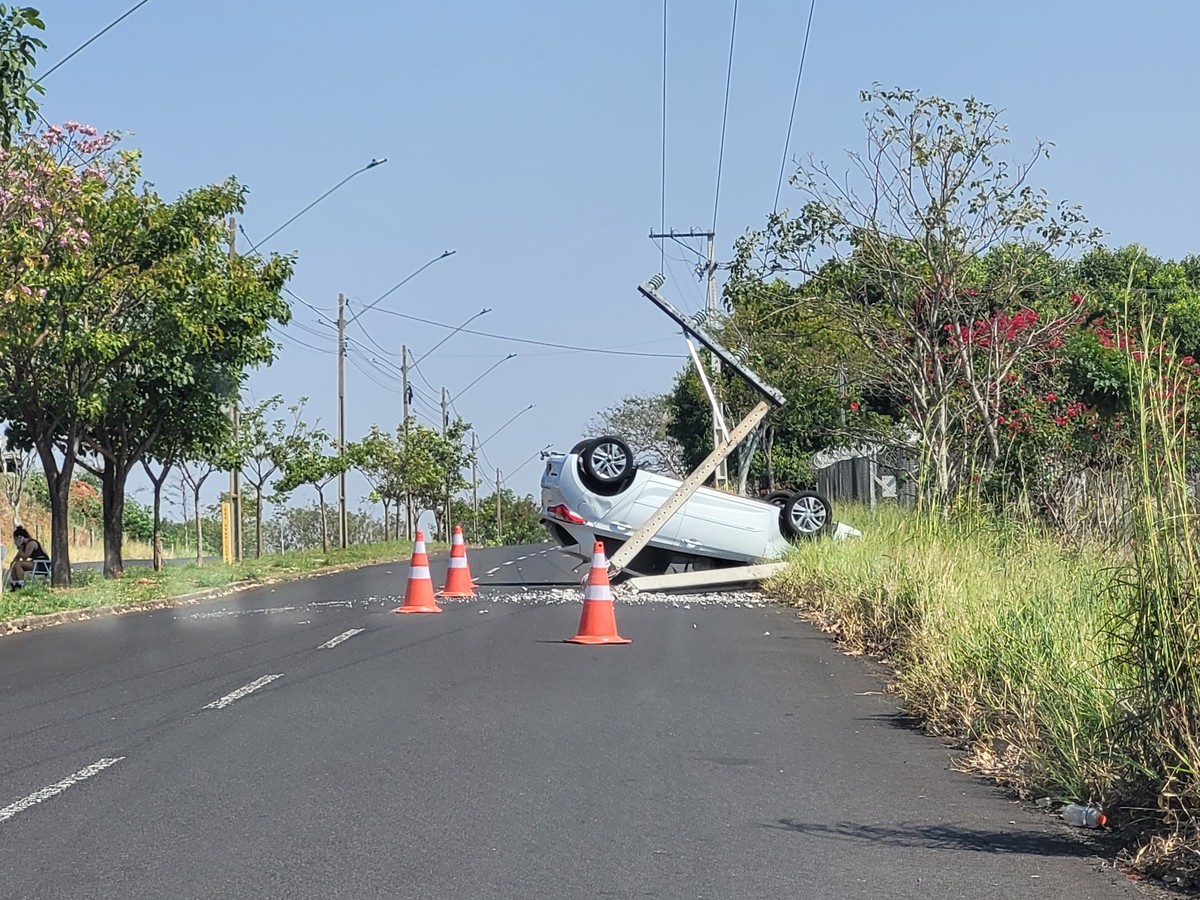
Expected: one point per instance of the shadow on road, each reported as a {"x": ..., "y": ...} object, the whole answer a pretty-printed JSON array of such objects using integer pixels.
[{"x": 941, "y": 837}]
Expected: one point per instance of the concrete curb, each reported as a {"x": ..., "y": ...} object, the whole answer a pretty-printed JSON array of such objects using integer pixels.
[{"x": 48, "y": 620}]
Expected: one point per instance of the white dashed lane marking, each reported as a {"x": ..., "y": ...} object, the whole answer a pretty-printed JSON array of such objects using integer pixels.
[
  {"x": 57, "y": 788},
  {"x": 344, "y": 636},
  {"x": 242, "y": 692},
  {"x": 492, "y": 571}
]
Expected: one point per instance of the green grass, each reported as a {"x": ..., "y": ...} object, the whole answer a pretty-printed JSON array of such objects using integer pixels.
[{"x": 139, "y": 585}]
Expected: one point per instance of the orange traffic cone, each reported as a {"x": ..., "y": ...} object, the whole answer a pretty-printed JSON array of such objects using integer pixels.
[
  {"x": 418, "y": 597},
  {"x": 458, "y": 576},
  {"x": 598, "y": 624}
]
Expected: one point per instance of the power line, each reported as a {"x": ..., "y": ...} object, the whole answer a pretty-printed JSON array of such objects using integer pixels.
[
  {"x": 725, "y": 115},
  {"x": 115, "y": 22},
  {"x": 662, "y": 202},
  {"x": 792, "y": 117},
  {"x": 315, "y": 309},
  {"x": 285, "y": 336},
  {"x": 517, "y": 340}
]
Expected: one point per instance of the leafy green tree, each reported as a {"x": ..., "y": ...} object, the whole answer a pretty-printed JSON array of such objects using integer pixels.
[
  {"x": 304, "y": 460},
  {"x": 520, "y": 519},
  {"x": 261, "y": 447},
  {"x": 377, "y": 457},
  {"x": 788, "y": 337},
  {"x": 430, "y": 465},
  {"x": 195, "y": 469},
  {"x": 18, "y": 57},
  {"x": 196, "y": 319}
]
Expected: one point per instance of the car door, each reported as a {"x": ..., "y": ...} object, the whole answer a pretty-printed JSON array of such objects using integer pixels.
[
  {"x": 641, "y": 501},
  {"x": 726, "y": 526}
]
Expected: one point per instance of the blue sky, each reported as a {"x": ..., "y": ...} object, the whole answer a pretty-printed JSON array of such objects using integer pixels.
[{"x": 526, "y": 137}]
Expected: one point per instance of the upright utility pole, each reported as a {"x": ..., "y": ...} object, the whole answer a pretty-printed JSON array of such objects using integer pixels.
[
  {"x": 445, "y": 428},
  {"x": 499, "y": 512},
  {"x": 235, "y": 476},
  {"x": 342, "y": 416},
  {"x": 409, "y": 525},
  {"x": 475, "y": 485},
  {"x": 710, "y": 269}
]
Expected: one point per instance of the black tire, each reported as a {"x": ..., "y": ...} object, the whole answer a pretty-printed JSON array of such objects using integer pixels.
[
  {"x": 607, "y": 463},
  {"x": 778, "y": 498},
  {"x": 806, "y": 515}
]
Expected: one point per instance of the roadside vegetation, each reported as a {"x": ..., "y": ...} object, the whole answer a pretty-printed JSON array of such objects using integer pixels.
[
  {"x": 90, "y": 589},
  {"x": 1032, "y": 394},
  {"x": 130, "y": 323}
]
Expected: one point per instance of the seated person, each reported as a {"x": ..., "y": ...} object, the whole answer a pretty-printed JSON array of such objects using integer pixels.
[{"x": 28, "y": 549}]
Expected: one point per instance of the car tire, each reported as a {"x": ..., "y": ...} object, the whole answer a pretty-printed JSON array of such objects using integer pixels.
[
  {"x": 778, "y": 498},
  {"x": 607, "y": 464},
  {"x": 805, "y": 515}
]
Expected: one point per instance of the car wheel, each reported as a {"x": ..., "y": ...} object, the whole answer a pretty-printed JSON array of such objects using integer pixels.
[
  {"x": 806, "y": 514},
  {"x": 607, "y": 462},
  {"x": 778, "y": 498}
]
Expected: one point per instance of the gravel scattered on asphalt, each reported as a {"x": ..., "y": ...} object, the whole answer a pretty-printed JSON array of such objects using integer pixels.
[{"x": 521, "y": 597}]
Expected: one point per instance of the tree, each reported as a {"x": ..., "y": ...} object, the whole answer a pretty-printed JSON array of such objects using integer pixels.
[
  {"x": 377, "y": 457},
  {"x": 57, "y": 340},
  {"x": 430, "y": 464},
  {"x": 16, "y": 466},
  {"x": 195, "y": 321},
  {"x": 18, "y": 56},
  {"x": 303, "y": 460},
  {"x": 643, "y": 421},
  {"x": 260, "y": 449},
  {"x": 937, "y": 233},
  {"x": 520, "y": 519},
  {"x": 194, "y": 473}
]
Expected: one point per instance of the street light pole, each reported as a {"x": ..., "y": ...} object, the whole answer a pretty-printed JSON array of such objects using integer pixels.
[
  {"x": 475, "y": 484},
  {"x": 445, "y": 428},
  {"x": 341, "y": 348},
  {"x": 408, "y": 520}
]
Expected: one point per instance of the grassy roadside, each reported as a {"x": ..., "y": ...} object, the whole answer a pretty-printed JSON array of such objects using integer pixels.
[
  {"x": 140, "y": 585},
  {"x": 1005, "y": 642}
]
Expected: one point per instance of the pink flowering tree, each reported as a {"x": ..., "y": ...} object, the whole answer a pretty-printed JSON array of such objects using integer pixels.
[{"x": 51, "y": 185}]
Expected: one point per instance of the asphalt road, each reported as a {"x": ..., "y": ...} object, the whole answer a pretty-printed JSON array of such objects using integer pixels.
[{"x": 220, "y": 751}]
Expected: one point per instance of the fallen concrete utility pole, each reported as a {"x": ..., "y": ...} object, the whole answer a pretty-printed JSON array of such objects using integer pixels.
[{"x": 771, "y": 399}]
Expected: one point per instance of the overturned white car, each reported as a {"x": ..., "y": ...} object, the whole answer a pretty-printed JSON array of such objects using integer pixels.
[{"x": 597, "y": 493}]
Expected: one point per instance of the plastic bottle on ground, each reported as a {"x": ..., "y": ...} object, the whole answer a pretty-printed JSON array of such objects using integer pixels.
[{"x": 1084, "y": 816}]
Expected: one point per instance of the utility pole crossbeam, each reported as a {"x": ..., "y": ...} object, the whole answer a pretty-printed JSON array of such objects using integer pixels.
[
  {"x": 342, "y": 417},
  {"x": 710, "y": 274}
]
